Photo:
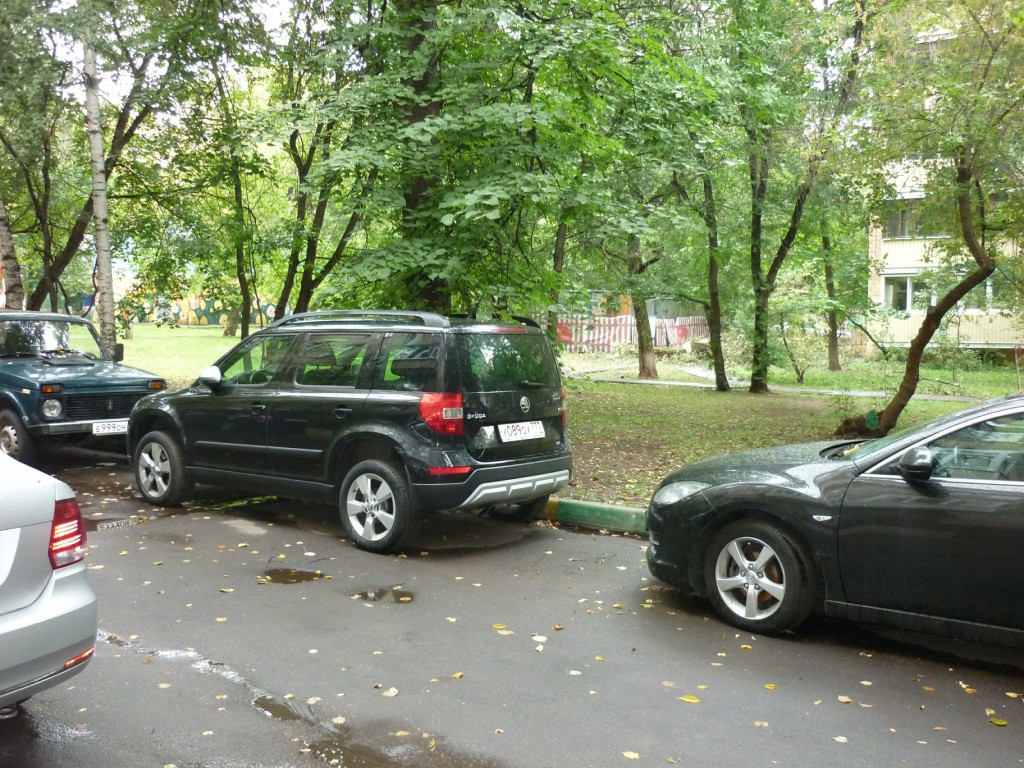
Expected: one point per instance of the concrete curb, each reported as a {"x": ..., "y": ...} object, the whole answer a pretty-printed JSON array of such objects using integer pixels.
[{"x": 589, "y": 514}]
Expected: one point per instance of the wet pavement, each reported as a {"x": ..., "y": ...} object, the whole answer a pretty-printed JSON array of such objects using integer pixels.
[{"x": 248, "y": 632}]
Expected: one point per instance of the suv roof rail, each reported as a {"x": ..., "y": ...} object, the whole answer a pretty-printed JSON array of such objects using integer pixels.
[
  {"x": 497, "y": 318},
  {"x": 428, "y": 319}
]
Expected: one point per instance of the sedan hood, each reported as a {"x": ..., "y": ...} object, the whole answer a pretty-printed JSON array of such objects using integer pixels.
[{"x": 785, "y": 465}]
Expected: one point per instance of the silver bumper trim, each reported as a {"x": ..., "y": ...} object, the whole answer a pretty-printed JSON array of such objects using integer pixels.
[{"x": 519, "y": 489}]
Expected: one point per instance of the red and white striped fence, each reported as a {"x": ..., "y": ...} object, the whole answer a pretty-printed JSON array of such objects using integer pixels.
[{"x": 585, "y": 333}]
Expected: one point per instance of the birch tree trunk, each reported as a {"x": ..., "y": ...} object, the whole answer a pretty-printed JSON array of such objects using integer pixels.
[
  {"x": 104, "y": 276},
  {"x": 15, "y": 290}
]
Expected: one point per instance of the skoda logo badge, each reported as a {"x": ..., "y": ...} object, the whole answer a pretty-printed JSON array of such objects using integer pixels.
[{"x": 524, "y": 404}]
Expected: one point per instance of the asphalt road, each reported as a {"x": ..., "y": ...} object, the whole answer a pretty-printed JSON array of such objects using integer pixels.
[{"x": 251, "y": 634}]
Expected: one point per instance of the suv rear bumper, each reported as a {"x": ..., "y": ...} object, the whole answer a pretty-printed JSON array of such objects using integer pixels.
[{"x": 488, "y": 486}]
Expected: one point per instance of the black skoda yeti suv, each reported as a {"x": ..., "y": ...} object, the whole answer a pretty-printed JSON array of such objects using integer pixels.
[{"x": 391, "y": 415}]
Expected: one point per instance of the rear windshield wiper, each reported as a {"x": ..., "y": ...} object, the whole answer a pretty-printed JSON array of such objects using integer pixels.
[{"x": 527, "y": 384}]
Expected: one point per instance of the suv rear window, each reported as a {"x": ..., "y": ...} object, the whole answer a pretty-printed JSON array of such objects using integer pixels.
[{"x": 496, "y": 362}]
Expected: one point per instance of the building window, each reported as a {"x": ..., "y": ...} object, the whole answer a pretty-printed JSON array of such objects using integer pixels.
[
  {"x": 897, "y": 293},
  {"x": 906, "y": 292},
  {"x": 904, "y": 221}
]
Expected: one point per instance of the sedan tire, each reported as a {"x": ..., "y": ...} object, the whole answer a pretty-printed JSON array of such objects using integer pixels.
[
  {"x": 376, "y": 507},
  {"x": 160, "y": 473},
  {"x": 757, "y": 577}
]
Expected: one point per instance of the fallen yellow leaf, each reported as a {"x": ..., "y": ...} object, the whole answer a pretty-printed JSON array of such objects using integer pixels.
[
  {"x": 690, "y": 699},
  {"x": 631, "y": 755}
]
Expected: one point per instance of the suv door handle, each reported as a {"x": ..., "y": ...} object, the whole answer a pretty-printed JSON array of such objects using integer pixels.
[
  {"x": 342, "y": 411},
  {"x": 257, "y": 409}
]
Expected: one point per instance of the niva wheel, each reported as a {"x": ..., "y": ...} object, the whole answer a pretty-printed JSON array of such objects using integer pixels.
[{"x": 14, "y": 438}]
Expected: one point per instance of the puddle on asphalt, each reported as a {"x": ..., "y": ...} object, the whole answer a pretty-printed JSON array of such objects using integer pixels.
[
  {"x": 382, "y": 594},
  {"x": 290, "y": 576},
  {"x": 334, "y": 742},
  {"x": 280, "y": 709}
]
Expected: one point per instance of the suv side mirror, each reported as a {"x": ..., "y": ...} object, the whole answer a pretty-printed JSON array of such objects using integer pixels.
[
  {"x": 917, "y": 464},
  {"x": 118, "y": 352},
  {"x": 210, "y": 376}
]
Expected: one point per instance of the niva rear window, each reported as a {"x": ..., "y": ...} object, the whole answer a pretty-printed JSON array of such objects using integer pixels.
[{"x": 494, "y": 362}]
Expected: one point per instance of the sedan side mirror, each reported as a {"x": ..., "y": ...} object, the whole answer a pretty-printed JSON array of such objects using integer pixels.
[
  {"x": 211, "y": 376},
  {"x": 917, "y": 464}
]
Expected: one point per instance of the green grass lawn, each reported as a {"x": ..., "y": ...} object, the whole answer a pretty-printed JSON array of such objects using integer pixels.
[{"x": 177, "y": 353}]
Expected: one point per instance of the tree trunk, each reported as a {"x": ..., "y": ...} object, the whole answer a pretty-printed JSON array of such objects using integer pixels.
[
  {"x": 419, "y": 16},
  {"x": 758, "y": 173},
  {"x": 231, "y": 323},
  {"x": 831, "y": 316},
  {"x": 713, "y": 309},
  {"x": 558, "y": 265},
  {"x": 101, "y": 221},
  {"x": 636, "y": 266},
  {"x": 10, "y": 269},
  {"x": 240, "y": 256},
  {"x": 645, "y": 340}
]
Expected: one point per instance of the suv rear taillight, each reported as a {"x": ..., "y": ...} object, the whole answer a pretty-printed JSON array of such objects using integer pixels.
[
  {"x": 67, "y": 537},
  {"x": 442, "y": 412}
]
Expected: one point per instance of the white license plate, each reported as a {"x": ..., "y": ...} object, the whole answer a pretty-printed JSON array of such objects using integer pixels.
[
  {"x": 521, "y": 430},
  {"x": 110, "y": 427}
]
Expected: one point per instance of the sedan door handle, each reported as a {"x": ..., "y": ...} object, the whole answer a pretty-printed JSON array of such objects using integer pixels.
[
  {"x": 257, "y": 409},
  {"x": 342, "y": 411}
]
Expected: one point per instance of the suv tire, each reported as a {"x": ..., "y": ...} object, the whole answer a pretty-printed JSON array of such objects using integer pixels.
[
  {"x": 160, "y": 473},
  {"x": 376, "y": 507},
  {"x": 15, "y": 440}
]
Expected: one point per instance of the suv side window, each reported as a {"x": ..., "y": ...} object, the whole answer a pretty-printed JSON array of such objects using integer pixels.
[
  {"x": 332, "y": 360},
  {"x": 257, "y": 362},
  {"x": 409, "y": 362}
]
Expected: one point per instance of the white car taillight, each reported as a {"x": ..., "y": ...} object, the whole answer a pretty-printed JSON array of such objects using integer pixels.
[{"x": 67, "y": 537}]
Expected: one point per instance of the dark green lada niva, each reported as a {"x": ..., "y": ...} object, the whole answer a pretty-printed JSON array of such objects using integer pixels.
[{"x": 58, "y": 384}]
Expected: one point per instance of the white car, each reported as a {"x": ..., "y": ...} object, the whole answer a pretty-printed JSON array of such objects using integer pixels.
[{"x": 47, "y": 606}]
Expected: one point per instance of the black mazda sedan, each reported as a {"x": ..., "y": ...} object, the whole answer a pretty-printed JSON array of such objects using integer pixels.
[{"x": 922, "y": 529}]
